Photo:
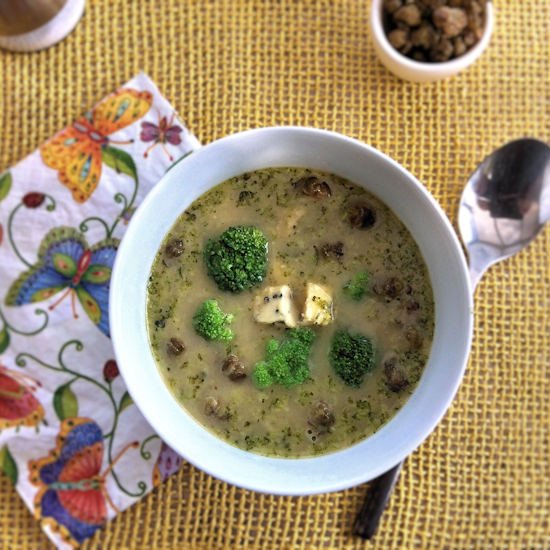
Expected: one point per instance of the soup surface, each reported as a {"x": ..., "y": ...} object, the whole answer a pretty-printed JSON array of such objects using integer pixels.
[{"x": 320, "y": 229}]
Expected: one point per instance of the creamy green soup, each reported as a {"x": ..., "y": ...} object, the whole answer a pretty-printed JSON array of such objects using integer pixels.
[{"x": 320, "y": 229}]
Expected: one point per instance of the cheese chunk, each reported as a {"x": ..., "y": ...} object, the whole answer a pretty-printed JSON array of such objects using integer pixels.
[
  {"x": 274, "y": 304},
  {"x": 318, "y": 307}
]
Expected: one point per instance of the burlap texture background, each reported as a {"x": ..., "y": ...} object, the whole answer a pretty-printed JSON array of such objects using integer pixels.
[{"x": 482, "y": 480}]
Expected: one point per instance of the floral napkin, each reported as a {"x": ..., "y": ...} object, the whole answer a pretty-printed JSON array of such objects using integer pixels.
[{"x": 71, "y": 439}]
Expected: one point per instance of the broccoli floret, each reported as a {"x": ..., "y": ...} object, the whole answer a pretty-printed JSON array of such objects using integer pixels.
[
  {"x": 285, "y": 362},
  {"x": 357, "y": 287},
  {"x": 211, "y": 322},
  {"x": 351, "y": 356},
  {"x": 237, "y": 259}
]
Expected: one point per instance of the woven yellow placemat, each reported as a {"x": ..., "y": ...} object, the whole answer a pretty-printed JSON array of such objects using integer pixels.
[{"x": 482, "y": 479}]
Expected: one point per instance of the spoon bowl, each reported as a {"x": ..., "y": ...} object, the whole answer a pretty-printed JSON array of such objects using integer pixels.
[{"x": 505, "y": 204}]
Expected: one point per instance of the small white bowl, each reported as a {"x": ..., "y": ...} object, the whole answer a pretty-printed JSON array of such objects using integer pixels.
[
  {"x": 423, "y": 71},
  {"x": 351, "y": 159}
]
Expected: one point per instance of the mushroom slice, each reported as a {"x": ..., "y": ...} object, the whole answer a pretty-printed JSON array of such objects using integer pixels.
[
  {"x": 313, "y": 186},
  {"x": 233, "y": 368}
]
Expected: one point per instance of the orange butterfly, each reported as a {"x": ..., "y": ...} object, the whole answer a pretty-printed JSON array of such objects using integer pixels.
[{"x": 76, "y": 152}]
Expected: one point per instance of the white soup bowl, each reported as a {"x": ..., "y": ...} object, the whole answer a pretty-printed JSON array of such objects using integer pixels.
[{"x": 345, "y": 157}]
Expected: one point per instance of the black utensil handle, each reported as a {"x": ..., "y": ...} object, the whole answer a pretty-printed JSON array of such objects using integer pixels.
[{"x": 376, "y": 500}]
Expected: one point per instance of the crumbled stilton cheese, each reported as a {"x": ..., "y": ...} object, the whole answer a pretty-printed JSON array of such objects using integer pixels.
[
  {"x": 274, "y": 304},
  {"x": 319, "y": 306}
]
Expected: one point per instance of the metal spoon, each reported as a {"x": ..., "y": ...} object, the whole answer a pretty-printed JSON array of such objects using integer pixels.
[{"x": 505, "y": 204}]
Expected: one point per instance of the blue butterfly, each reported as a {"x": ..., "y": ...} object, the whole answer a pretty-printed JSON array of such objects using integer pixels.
[
  {"x": 66, "y": 264},
  {"x": 72, "y": 496}
]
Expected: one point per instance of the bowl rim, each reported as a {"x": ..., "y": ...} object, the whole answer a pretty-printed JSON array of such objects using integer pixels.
[
  {"x": 127, "y": 359},
  {"x": 429, "y": 67}
]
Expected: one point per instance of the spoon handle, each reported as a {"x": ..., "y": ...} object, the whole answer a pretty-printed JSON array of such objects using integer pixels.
[{"x": 375, "y": 502}]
